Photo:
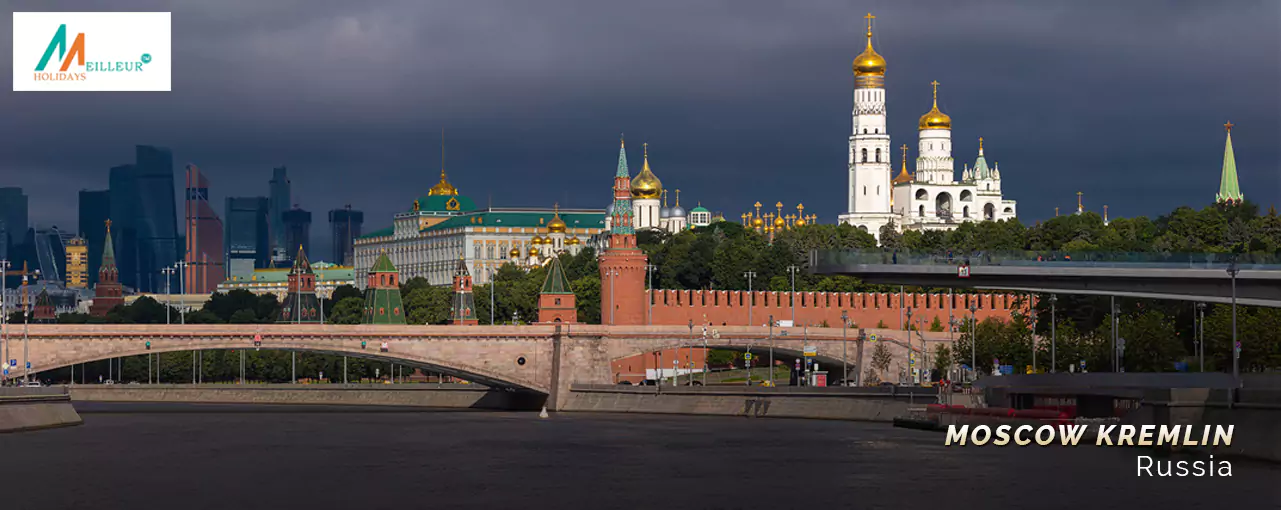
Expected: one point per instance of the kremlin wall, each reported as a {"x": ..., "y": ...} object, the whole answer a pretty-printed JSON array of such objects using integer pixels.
[{"x": 865, "y": 309}]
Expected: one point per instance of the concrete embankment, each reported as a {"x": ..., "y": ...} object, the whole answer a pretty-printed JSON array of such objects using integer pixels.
[
  {"x": 864, "y": 404},
  {"x": 1254, "y": 416},
  {"x": 36, "y": 408},
  {"x": 456, "y": 396}
]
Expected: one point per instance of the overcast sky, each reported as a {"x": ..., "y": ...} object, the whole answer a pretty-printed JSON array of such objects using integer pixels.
[{"x": 740, "y": 100}]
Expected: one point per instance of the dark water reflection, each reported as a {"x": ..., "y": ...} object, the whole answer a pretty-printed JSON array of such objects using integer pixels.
[{"x": 142, "y": 456}]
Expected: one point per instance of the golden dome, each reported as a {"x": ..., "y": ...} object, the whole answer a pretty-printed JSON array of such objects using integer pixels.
[
  {"x": 935, "y": 119},
  {"x": 557, "y": 225},
  {"x": 443, "y": 187},
  {"x": 756, "y": 222},
  {"x": 533, "y": 251},
  {"x": 800, "y": 222},
  {"x": 515, "y": 253},
  {"x": 646, "y": 184},
  {"x": 869, "y": 63},
  {"x": 779, "y": 222},
  {"x": 903, "y": 177},
  {"x": 573, "y": 241}
]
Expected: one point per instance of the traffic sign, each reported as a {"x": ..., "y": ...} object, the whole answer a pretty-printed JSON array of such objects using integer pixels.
[
  {"x": 963, "y": 271},
  {"x": 1238, "y": 346},
  {"x": 747, "y": 356},
  {"x": 872, "y": 337},
  {"x": 1007, "y": 369},
  {"x": 13, "y": 362},
  {"x": 6, "y": 371},
  {"x": 911, "y": 361},
  {"x": 811, "y": 351},
  {"x": 28, "y": 365}
]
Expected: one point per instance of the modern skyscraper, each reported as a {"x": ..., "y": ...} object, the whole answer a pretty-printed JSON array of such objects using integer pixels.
[
  {"x": 144, "y": 210},
  {"x": 204, "y": 253},
  {"x": 297, "y": 228},
  {"x": 278, "y": 200},
  {"x": 344, "y": 225},
  {"x": 95, "y": 208},
  {"x": 246, "y": 236},
  {"x": 77, "y": 270},
  {"x": 13, "y": 221}
]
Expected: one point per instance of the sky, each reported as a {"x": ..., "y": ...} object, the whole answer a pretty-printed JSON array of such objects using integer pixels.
[{"x": 740, "y": 100}]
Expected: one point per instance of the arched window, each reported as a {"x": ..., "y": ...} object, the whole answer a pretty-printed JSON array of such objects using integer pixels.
[
  {"x": 921, "y": 212},
  {"x": 865, "y": 131},
  {"x": 864, "y": 190},
  {"x": 865, "y": 155},
  {"x": 878, "y": 190},
  {"x": 878, "y": 155},
  {"x": 877, "y": 131}
]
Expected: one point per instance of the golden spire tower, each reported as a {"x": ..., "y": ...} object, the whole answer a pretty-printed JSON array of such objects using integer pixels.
[
  {"x": 646, "y": 184},
  {"x": 443, "y": 187},
  {"x": 869, "y": 66}
]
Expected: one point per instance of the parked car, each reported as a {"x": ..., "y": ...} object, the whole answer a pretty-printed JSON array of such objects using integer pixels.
[
  {"x": 32, "y": 384},
  {"x": 649, "y": 382},
  {"x": 109, "y": 381}
]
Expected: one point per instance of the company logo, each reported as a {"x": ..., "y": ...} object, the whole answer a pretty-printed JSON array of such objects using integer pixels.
[{"x": 91, "y": 51}]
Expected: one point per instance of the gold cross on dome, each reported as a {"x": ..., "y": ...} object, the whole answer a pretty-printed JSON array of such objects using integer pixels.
[{"x": 935, "y": 83}]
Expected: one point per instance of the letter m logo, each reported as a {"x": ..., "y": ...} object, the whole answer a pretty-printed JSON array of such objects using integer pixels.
[{"x": 59, "y": 43}]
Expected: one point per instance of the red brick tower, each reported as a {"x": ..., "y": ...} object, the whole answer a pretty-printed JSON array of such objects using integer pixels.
[
  {"x": 556, "y": 302},
  {"x": 622, "y": 265},
  {"x": 463, "y": 308},
  {"x": 107, "y": 293}
]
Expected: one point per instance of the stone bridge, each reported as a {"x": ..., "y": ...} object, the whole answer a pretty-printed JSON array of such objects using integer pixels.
[{"x": 544, "y": 359}]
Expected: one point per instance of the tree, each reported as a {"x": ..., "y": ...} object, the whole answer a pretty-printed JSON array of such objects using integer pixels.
[
  {"x": 937, "y": 325},
  {"x": 942, "y": 359},
  {"x": 243, "y": 316},
  {"x": 881, "y": 359},
  {"x": 350, "y": 310}
]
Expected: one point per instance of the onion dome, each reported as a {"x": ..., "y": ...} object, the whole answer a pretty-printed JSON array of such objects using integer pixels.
[
  {"x": 779, "y": 222},
  {"x": 646, "y": 184},
  {"x": 574, "y": 241},
  {"x": 800, "y": 222},
  {"x": 557, "y": 225},
  {"x": 935, "y": 119},
  {"x": 869, "y": 63},
  {"x": 756, "y": 222},
  {"x": 678, "y": 211},
  {"x": 533, "y": 251},
  {"x": 665, "y": 212},
  {"x": 515, "y": 253}
]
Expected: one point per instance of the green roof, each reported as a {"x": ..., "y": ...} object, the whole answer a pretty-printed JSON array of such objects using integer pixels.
[
  {"x": 281, "y": 275},
  {"x": 517, "y": 219},
  {"x": 301, "y": 265},
  {"x": 699, "y": 209},
  {"x": 556, "y": 282},
  {"x": 383, "y": 265},
  {"x": 382, "y": 232},
  {"x": 445, "y": 203}
]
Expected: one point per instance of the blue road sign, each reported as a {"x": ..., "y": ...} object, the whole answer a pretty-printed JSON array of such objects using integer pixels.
[
  {"x": 747, "y": 356},
  {"x": 1007, "y": 369},
  {"x": 28, "y": 365},
  {"x": 13, "y": 362}
]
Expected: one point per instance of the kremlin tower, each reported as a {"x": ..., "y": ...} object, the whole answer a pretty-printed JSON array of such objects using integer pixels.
[
  {"x": 107, "y": 293},
  {"x": 300, "y": 303},
  {"x": 556, "y": 302},
  {"x": 382, "y": 293},
  {"x": 463, "y": 308},
  {"x": 622, "y": 265},
  {"x": 1229, "y": 189}
]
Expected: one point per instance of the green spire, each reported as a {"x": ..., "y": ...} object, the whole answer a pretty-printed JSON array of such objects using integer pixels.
[
  {"x": 556, "y": 282},
  {"x": 1229, "y": 190},
  {"x": 108, "y": 251},
  {"x": 981, "y": 170},
  {"x": 301, "y": 264},
  {"x": 622, "y": 161}
]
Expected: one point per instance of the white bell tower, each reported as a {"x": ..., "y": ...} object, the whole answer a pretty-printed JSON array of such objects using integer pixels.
[{"x": 869, "y": 156}]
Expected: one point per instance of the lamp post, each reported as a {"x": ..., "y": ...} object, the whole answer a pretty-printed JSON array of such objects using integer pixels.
[
  {"x": 974, "y": 369},
  {"x": 792, "y": 270},
  {"x": 771, "y": 352},
  {"x": 751, "y": 298},
  {"x": 649, "y": 268},
  {"x": 4, "y": 315},
  {"x": 845, "y": 365},
  {"x": 1054, "y": 298},
  {"x": 493, "y": 288},
  {"x": 1236, "y": 345},
  {"x": 689, "y": 350},
  {"x": 1114, "y": 325},
  {"x": 26, "y": 320},
  {"x": 168, "y": 271},
  {"x": 182, "y": 290},
  {"x": 1200, "y": 345}
]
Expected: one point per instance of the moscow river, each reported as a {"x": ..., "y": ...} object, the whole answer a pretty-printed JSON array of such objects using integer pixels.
[{"x": 168, "y": 456}]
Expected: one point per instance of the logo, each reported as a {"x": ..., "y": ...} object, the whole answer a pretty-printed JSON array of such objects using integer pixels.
[{"x": 91, "y": 51}]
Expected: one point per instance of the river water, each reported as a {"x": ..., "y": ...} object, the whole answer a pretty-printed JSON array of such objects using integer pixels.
[{"x": 169, "y": 456}]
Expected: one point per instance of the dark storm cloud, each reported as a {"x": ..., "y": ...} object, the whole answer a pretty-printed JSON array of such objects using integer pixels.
[{"x": 741, "y": 101}]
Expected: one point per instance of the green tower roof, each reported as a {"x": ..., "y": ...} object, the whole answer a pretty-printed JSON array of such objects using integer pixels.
[
  {"x": 1229, "y": 189},
  {"x": 301, "y": 264},
  {"x": 556, "y": 282},
  {"x": 383, "y": 265}
]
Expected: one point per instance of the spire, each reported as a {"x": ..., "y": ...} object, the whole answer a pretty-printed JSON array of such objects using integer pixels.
[
  {"x": 902, "y": 177},
  {"x": 1229, "y": 189},
  {"x": 1080, "y": 208},
  {"x": 108, "y": 250},
  {"x": 980, "y": 165},
  {"x": 301, "y": 264},
  {"x": 556, "y": 281},
  {"x": 443, "y": 187},
  {"x": 622, "y": 159},
  {"x": 980, "y": 142}
]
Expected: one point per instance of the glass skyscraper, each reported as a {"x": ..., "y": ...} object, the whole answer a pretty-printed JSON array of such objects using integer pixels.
[
  {"x": 344, "y": 225},
  {"x": 95, "y": 209},
  {"x": 278, "y": 202},
  {"x": 246, "y": 235},
  {"x": 144, "y": 218},
  {"x": 13, "y": 223},
  {"x": 297, "y": 230}
]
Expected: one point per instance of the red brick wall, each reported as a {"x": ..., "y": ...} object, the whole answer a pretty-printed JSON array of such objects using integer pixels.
[
  {"x": 627, "y": 287},
  {"x": 720, "y": 307},
  {"x": 549, "y": 311}
]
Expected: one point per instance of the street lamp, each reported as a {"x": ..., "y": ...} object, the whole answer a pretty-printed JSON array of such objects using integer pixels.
[
  {"x": 4, "y": 316},
  {"x": 751, "y": 299},
  {"x": 792, "y": 270},
  {"x": 688, "y": 352},
  {"x": 845, "y": 366},
  {"x": 26, "y": 319},
  {"x": 1236, "y": 344},
  {"x": 168, "y": 271},
  {"x": 974, "y": 368},
  {"x": 1201, "y": 335},
  {"x": 182, "y": 290},
  {"x": 649, "y": 268},
  {"x": 1054, "y": 298},
  {"x": 771, "y": 352}
]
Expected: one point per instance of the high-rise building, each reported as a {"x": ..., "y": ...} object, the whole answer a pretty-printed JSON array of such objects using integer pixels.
[
  {"x": 77, "y": 263},
  {"x": 246, "y": 236},
  {"x": 13, "y": 221},
  {"x": 278, "y": 200},
  {"x": 144, "y": 210},
  {"x": 48, "y": 252},
  {"x": 344, "y": 225},
  {"x": 297, "y": 228},
  {"x": 204, "y": 253},
  {"x": 95, "y": 208}
]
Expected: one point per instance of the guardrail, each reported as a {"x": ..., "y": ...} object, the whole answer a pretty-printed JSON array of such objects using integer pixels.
[{"x": 1255, "y": 261}]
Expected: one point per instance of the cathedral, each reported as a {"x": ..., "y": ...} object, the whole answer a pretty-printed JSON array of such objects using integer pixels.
[
  {"x": 649, "y": 205},
  {"x": 928, "y": 199}
]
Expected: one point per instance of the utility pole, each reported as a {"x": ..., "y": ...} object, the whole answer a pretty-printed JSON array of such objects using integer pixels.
[
  {"x": 845, "y": 366},
  {"x": 751, "y": 298},
  {"x": 4, "y": 316},
  {"x": 974, "y": 367},
  {"x": 1236, "y": 344},
  {"x": 1054, "y": 298},
  {"x": 771, "y": 352}
]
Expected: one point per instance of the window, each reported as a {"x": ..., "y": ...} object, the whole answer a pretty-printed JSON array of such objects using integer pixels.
[
  {"x": 865, "y": 131},
  {"x": 865, "y": 155},
  {"x": 878, "y": 191},
  {"x": 878, "y": 155},
  {"x": 921, "y": 211},
  {"x": 557, "y": 301},
  {"x": 877, "y": 131},
  {"x": 864, "y": 190}
]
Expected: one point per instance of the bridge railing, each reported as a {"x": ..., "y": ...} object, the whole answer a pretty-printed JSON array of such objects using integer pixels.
[{"x": 838, "y": 258}]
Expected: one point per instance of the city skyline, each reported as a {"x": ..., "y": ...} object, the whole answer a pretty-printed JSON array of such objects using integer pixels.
[{"x": 745, "y": 111}]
